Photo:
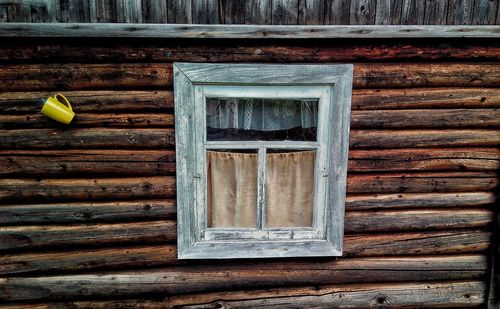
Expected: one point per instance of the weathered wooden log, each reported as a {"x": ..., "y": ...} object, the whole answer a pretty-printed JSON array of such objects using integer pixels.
[
  {"x": 96, "y": 234},
  {"x": 165, "y": 138},
  {"x": 164, "y": 187},
  {"x": 383, "y": 75},
  {"x": 362, "y": 99},
  {"x": 414, "y": 243},
  {"x": 243, "y": 51},
  {"x": 422, "y": 182},
  {"x": 423, "y": 118},
  {"x": 90, "y": 101},
  {"x": 87, "y": 212},
  {"x": 87, "y": 162},
  {"x": 369, "y": 99},
  {"x": 33, "y": 77},
  {"x": 398, "y": 295},
  {"x": 154, "y": 162},
  {"x": 431, "y": 159},
  {"x": 419, "y": 200},
  {"x": 86, "y": 189},
  {"x": 410, "y": 220},
  {"x": 72, "y": 76},
  {"x": 244, "y": 275},
  {"x": 16, "y": 237},
  {"x": 87, "y": 138},
  {"x": 89, "y": 120},
  {"x": 423, "y": 138},
  {"x": 375, "y": 295},
  {"x": 382, "y": 119}
]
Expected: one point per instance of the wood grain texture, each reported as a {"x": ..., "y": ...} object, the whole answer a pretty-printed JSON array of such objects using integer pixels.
[
  {"x": 485, "y": 12},
  {"x": 106, "y": 30},
  {"x": 155, "y": 11},
  {"x": 164, "y": 254},
  {"x": 433, "y": 295},
  {"x": 179, "y": 11},
  {"x": 460, "y": 12},
  {"x": 311, "y": 12},
  {"x": 422, "y": 182},
  {"x": 84, "y": 212},
  {"x": 285, "y": 12},
  {"x": 420, "y": 118},
  {"x": 62, "y": 236},
  {"x": 383, "y": 12},
  {"x": 419, "y": 200},
  {"x": 62, "y": 77},
  {"x": 258, "y": 12},
  {"x": 412, "y": 12},
  {"x": 363, "y": 12},
  {"x": 435, "y": 12},
  {"x": 425, "y": 98},
  {"x": 263, "y": 274},
  {"x": 247, "y": 51},
  {"x": 86, "y": 138},
  {"x": 87, "y": 162},
  {"x": 337, "y": 12},
  {"x": 205, "y": 12},
  {"x": 88, "y": 189},
  {"x": 399, "y": 295},
  {"x": 423, "y": 138},
  {"x": 90, "y": 101}
]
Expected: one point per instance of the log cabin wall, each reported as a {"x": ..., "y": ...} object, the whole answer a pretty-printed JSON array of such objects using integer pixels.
[{"x": 87, "y": 211}]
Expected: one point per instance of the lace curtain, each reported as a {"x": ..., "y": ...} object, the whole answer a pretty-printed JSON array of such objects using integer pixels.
[{"x": 261, "y": 114}]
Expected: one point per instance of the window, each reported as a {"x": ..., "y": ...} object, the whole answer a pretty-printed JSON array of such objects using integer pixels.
[{"x": 261, "y": 159}]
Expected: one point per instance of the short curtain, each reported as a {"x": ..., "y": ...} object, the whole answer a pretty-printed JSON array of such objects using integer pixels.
[{"x": 232, "y": 189}]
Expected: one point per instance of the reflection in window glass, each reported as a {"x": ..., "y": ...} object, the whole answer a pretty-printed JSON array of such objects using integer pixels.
[
  {"x": 289, "y": 188},
  {"x": 232, "y": 188},
  {"x": 261, "y": 119}
]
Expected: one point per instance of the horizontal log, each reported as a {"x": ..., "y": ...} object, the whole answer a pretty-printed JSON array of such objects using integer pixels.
[
  {"x": 423, "y": 118},
  {"x": 153, "y": 162},
  {"x": 87, "y": 138},
  {"x": 414, "y": 243},
  {"x": 419, "y": 200},
  {"x": 165, "y": 138},
  {"x": 86, "y": 189},
  {"x": 398, "y": 295},
  {"x": 415, "y": 98},
  {"x": 432, "y": 159},
  {"x": 90, "y": 101},
  {"x": 422, "y": 182},
  {"x": 37, "y": 236},
  {"x": 87, "y": 162},
  {"x": 244, "y": 275},
  {"x": 382, "y": 119},
  {"x": 100, "y": 101},
  {"x": 89, "y": 120},
  {"x": 87, "y": 212},
  {"x": 393, "y": 75},
  {"x": 242, "y": 51},
  {"x": 410, "y": 220},
  {"x": 35, "y": 77},
  {"x": 164, "y": 186},
  {"x": 374, "y": 295},
  {"x": 60, "y": 77},
  {"x": 218, "y": 31},
  {"x": 423, "y": 138}
]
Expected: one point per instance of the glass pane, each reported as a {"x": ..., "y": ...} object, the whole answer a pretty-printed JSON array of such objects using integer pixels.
[
  {"x": 289, "y": 188},
  {"x": 232, "y": 188},
  {"x": 246, "y": 119}
]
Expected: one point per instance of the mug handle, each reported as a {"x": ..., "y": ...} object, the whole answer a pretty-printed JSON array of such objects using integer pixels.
[{"x": 64, "y": 100}]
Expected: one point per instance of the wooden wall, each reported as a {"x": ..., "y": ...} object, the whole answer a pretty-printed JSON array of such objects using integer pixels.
[
  {"x": 275, "y": 12},
  {"x": 87, "y": 211}
]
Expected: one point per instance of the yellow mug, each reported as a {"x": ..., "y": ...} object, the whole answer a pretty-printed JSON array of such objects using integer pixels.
[{"x": 58, "y": 108}]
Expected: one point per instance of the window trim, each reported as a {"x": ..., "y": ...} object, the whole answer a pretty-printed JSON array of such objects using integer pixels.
[{"x": 191, "y": 80}]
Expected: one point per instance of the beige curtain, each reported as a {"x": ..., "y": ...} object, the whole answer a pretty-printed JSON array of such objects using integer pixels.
[{"x": 232, "y": 189}]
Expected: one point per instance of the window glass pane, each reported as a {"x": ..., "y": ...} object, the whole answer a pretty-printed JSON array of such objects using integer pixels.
[
  {"x": 232, "y": 188},
  {"x": 289, "y": 188},
  {"x": 250, "y": 119}
]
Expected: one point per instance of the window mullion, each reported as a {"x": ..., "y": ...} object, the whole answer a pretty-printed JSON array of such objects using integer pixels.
[{"x": 261, "y": 194}]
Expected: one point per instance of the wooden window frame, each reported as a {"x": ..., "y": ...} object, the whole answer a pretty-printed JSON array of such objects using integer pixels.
[{"x": 332, "y": 86}]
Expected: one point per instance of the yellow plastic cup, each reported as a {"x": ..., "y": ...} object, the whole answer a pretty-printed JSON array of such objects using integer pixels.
[{"x": 58, "y": 108}]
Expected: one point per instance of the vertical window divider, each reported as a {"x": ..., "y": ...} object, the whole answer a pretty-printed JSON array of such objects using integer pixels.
[{"x": 261, "y": 185}]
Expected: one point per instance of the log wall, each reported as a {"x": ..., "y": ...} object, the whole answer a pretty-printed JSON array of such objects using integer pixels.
[{"x": 87, "y": 211}]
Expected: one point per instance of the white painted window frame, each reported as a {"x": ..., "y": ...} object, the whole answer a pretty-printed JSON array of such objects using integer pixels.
[{"x": 332, "y": 86}]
